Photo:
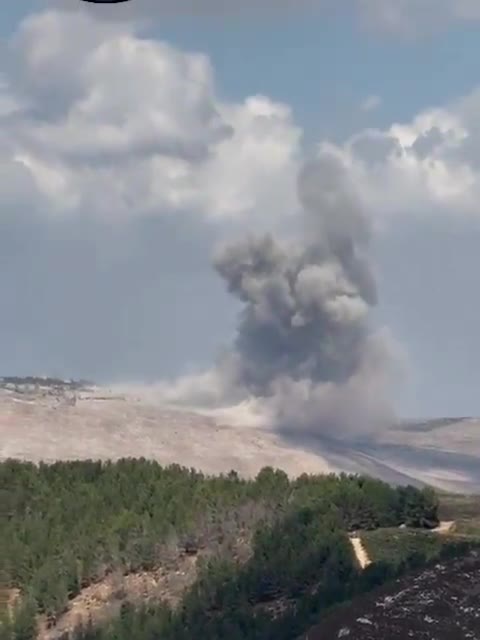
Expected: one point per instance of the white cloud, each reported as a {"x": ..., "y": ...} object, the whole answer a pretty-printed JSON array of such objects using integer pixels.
[
  {"x": 429, "y": 166},
  {"x": 97, "y": 119},
  {"x": 120, "y": 125},
  {"x": 104, "y": 121}
]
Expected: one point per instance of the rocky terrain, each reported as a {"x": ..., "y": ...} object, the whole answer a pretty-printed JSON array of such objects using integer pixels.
[
  {"x": 102, "y": 601},
  {"x": 439, "y": 603},
  {"x": 47, "y": 419}
]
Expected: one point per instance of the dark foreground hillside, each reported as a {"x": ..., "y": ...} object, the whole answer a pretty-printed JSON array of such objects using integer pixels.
[{"x": 438, "y": 603}]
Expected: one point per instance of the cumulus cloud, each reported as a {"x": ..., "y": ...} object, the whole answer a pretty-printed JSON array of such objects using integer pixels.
[
  {"x": 102, "y": 110},
  {"x": 426, "y": 167}
]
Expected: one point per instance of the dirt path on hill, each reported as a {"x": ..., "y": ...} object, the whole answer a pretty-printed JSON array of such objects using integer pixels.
[{"x": 360, "y": 552}]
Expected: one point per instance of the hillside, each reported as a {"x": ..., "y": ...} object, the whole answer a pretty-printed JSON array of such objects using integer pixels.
[
  {"x": 96, "y": 550},
  {"x": 128, "y": 549},
  {"x": 438, "y": 603},
  {"x": 50, "y": 420}
]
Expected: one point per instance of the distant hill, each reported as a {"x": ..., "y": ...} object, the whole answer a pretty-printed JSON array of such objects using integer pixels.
[{"x": 50, "y": 419}]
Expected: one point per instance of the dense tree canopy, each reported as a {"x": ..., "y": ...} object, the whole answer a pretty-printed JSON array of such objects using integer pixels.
[{"x": 69, "y": 524}]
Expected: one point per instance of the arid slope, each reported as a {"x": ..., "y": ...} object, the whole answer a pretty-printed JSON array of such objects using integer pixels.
[{"x": 50, "y": 423}]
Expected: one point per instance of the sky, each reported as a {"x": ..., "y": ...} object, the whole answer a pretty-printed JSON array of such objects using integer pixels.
[{"x": 134, "y": 140}]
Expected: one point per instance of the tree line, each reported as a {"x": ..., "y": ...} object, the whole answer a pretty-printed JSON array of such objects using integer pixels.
[{"x": 70, "y": 524}]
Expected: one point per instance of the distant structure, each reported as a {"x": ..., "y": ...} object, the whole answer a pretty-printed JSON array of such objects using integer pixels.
[{"x": 65, "y": 391}]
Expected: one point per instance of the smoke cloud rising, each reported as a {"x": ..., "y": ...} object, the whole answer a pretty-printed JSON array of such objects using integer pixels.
[{"x": 305, "y": 358}]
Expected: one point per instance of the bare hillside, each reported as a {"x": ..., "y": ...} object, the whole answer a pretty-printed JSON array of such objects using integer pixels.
[
  {"x": 50, "y": 421},
  {"x": 39, "y": 425}
]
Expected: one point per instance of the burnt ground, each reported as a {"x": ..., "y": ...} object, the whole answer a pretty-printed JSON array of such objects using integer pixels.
[{"x": 438, "y": 603}]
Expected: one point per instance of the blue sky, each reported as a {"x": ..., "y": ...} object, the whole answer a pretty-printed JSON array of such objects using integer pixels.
[
  {"x": 278, "y": 57},
  {"x": 324, "y": 67}
]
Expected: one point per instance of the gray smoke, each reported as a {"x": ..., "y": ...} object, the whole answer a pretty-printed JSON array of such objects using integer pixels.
[
  {"x": 304, "y": 344},
  {"x": 305, "y": 358},
  {"x": 305, "y": 306}
]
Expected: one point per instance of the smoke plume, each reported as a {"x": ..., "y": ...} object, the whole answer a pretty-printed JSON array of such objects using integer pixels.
[{"x": 305, "y": 358}]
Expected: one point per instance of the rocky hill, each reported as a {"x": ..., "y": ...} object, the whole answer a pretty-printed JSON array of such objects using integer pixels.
[{"x": 48, "y": 419}]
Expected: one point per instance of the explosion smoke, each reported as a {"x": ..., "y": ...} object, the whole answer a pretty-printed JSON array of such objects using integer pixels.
[{"x": 305, "y": 357}]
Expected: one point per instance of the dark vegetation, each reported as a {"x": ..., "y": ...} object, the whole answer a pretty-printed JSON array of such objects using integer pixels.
[
  {"x": 415, "y": 547},
  {"x": 454, "y": 506},
  {"x": 69, "y": 524}
]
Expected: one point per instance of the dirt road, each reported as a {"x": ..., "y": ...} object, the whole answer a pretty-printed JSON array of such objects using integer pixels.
[
  {"x": 446, "y": 526},
  {"x": 360, "y": 552}
]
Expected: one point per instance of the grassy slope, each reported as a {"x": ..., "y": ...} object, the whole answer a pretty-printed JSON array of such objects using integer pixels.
[
  {"x": 393, "y": 544},
  {"x": 457, "y": 506}
]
